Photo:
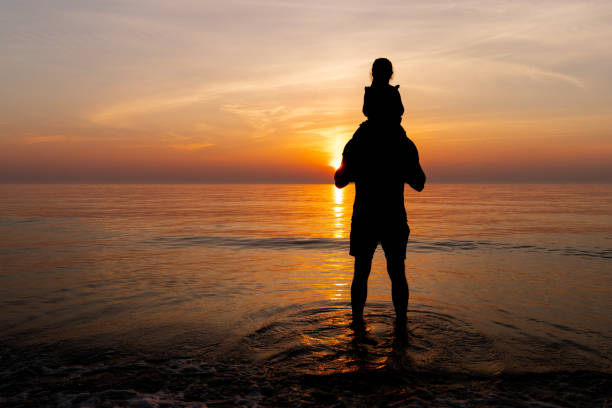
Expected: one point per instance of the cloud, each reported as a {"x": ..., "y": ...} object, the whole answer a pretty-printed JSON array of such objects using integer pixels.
[
  {"x": 47, "y": 139},
  {"x": 191, "y": 146},
  {"x": 305, "y": 77},
  {"x": 69, "y": 139},
  {"x": 500, "y": 68},
  {"x": 123, "y": 110}
]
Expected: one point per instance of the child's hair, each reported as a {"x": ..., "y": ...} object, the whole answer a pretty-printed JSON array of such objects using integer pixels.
[{"x": 382, "y": 71}]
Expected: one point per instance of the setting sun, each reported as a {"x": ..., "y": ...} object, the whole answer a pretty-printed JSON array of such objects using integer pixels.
[{"x": 335, "y": 163}]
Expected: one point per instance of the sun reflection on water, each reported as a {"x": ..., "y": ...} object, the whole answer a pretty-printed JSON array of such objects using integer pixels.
[
  {"x": 338, "y": 212},
  {"x": 340, "y": 291},
  {"x": 338, "y": 196}
]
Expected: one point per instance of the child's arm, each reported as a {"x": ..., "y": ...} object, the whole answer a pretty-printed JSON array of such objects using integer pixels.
[
  {"x": 398, "y": 105},
  {"x": 367, "y": 103}
]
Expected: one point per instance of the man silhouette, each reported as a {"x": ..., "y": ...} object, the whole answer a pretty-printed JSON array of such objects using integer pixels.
[{"x": 380, "y": 159}]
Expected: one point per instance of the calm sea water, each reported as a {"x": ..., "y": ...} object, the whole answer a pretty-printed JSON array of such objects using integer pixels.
[{"x": 184, "y": 295}]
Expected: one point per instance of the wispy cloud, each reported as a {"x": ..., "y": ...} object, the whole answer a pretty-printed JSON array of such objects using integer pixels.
[
  {"x": 46, "y": 139},
  {"x": 123, "y": 110},
  {"x": 67, "y": 139},
  {"x": 191, "y": 146}
]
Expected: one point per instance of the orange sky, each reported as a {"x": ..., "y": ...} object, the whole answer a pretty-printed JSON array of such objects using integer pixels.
[{"x": 265, "y": 91}]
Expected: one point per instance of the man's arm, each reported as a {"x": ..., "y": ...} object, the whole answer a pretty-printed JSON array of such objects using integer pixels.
[
  {"x": 417, "y": 181},
  {"x": 343, "y": 175},
  {"x": 415, "y": 177}
]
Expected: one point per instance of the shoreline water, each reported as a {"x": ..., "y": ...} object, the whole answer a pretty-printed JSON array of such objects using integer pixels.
[
  {"x": 179, "y": 295},
  {"x": 294, "y": 364}
]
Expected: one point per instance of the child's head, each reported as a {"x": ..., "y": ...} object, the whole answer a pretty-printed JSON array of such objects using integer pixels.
[{"x": 382, "y": 71}]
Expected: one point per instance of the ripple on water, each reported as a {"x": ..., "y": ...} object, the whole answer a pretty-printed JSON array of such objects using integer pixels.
[
  {"x": 304, "y": 356},
  {"x": 326, "y": 243},
  {"x": 317, "y": 341}
]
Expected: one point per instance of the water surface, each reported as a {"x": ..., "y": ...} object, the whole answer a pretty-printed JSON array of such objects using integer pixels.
[{"x": 239, "y": 294}]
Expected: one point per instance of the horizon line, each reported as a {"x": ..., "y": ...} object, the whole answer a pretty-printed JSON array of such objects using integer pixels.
[{"x": 290, "y": 183}]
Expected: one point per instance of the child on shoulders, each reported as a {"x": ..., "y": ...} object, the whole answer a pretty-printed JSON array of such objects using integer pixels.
[
  {"x": 382, "y": 105},
  {"x": 382, "y": 102}
]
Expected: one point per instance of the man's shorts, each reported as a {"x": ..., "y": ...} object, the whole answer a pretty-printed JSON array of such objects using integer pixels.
[{"x": 366, "y": 236}]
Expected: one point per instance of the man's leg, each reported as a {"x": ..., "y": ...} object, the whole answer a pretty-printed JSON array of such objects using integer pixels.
[
  {"x": 359, "y": 287},
  {"x": 399, "y": 287}
]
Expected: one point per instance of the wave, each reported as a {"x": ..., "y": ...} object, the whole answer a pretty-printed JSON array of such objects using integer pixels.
[
  {"x": 327, "y": 243},
  {"x": 241, "y": 241}
]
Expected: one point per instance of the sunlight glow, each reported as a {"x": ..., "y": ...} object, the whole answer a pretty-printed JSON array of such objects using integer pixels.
[
  {"x": 204, "y": 112},
  {"x": 335, "y": 163}
]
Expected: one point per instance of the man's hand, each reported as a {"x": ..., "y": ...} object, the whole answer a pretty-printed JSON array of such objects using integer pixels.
[
  {"x": 416, "y": 178},
  {"x": 413, "y": 173},
  {"x": 341, "y": 177}
]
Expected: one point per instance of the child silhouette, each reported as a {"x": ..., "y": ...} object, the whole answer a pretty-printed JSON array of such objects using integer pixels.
[{"x": 382, "y": 102}]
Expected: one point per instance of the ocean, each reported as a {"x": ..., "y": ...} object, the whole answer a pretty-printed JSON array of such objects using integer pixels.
[{"x": 239, "y": 295}]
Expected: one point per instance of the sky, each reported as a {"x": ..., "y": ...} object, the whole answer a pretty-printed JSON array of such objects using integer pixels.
[{"x": 270, "y": 91}]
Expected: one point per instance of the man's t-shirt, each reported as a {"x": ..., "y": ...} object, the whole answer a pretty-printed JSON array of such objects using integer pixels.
[{"x": 380, "y": 160}]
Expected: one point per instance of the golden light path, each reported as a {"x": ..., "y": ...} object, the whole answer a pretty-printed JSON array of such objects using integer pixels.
[{"x": 338, "y": 212}]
